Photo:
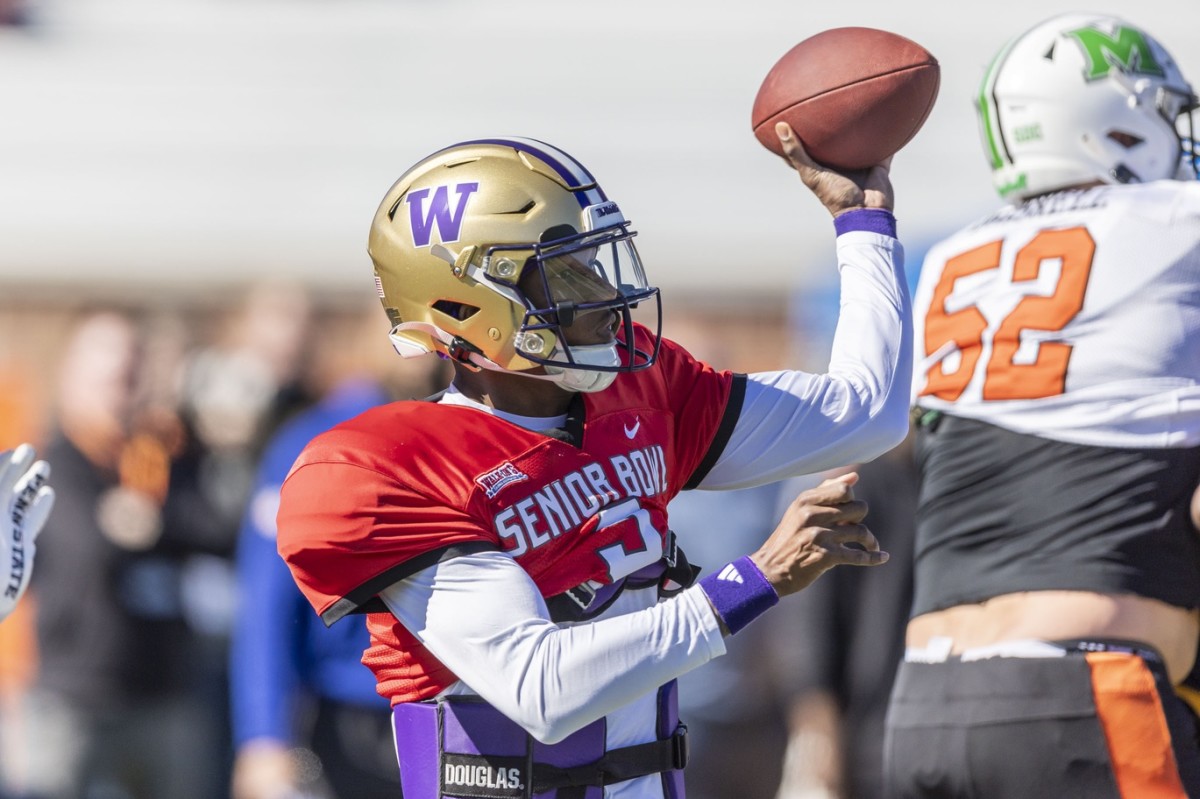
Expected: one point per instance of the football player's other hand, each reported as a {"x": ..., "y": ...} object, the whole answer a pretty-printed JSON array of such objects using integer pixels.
[
  {"x": 27, "y": 501},
  {"x": 264, "y": 769},
  {"x": 838, "y": 191},
  {"x": 822, "y": 528}
]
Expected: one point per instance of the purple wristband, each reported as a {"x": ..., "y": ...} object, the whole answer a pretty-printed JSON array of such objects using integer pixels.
[
  {"x": 739, "y": 592},
  {"x": 870, "y": 220}
]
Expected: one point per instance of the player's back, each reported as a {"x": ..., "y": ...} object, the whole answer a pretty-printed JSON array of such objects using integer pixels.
[
  {"x": 1060, "y": 443},
  {"x": 1075, "y": 316}
]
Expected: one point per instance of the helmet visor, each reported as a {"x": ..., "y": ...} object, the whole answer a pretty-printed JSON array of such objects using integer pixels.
[{"x": 592, "y": 271}]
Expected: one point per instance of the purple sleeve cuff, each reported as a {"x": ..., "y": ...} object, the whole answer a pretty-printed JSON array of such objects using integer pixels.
[
  {"x": 871, "y": 220},
  {"x": 739, "y": 592}
]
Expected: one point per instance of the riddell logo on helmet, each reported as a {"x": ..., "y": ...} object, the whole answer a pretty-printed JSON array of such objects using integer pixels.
[
  {"x": 438, "y": 213},
  {"x": 605, "y": 214}
]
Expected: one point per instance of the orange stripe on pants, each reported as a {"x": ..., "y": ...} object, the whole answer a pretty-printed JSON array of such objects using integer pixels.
[{"x": 1139, "y": 743}]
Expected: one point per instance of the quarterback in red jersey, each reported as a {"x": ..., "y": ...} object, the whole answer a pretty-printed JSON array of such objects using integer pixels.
[{"x": 508, "y": 540}]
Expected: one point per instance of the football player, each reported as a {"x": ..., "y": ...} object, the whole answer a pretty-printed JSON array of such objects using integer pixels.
[
  {"x": 1057, "y": 386},
  {"x": 527, "y": 605},
  {"x": 27, "y": 502}
]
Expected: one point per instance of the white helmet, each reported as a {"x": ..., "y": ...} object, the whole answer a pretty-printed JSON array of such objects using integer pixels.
[{"x": 1083, "y": 98}]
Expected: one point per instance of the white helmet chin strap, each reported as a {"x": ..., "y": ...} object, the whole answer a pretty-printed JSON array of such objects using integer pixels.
[
  {"x": 587, "y": 380},
  {"x": 570, "y": 379}
]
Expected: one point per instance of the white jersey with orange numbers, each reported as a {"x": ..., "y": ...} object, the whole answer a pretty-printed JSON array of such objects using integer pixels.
[{"x": 1075, "y": 317}]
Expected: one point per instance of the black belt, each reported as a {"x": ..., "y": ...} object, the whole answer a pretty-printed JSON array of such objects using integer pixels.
[
  {"x": 617, "y": 765},
  {"x": 1145, "y": 652}
]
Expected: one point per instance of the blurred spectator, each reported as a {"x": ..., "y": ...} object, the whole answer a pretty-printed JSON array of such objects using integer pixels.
[
  {"x": 232, "y": 392},
  {"x": 14, "y": 13},
  {"x": 111, "y": 713},
  {"x": 235, "y": 392},
  {"x": 136, "y": 601},
  {"x": 736, "y": 716},
  {"x": 733, "y": 706},
  {"x": 306, "y": 717},
  {"x": 839, "y": 643}
]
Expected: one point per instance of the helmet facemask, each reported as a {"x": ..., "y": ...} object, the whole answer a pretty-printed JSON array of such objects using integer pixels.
[
  {"x": 1173, "y": 104},
  {"x": 1189, "y": 147},
  {"x": 577, "y": 285}
]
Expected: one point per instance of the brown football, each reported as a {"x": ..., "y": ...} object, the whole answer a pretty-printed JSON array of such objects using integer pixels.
[{"x": 854, "y": 96}]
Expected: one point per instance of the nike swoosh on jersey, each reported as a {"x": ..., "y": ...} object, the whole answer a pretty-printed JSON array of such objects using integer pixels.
[{"x": 630, "y": 432}]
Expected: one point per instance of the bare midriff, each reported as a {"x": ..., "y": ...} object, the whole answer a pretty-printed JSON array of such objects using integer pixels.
[{"x": 1066, "y": 615}]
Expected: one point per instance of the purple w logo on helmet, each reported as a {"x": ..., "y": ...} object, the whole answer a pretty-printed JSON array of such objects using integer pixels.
[{"x": 438, "y": 213}]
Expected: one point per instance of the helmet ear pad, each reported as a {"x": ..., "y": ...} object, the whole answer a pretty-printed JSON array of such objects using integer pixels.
[{"x": 1081, "y": 99}]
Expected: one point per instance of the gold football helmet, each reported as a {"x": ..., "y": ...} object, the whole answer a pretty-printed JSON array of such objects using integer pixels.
[{"x": 486, "y": 250}]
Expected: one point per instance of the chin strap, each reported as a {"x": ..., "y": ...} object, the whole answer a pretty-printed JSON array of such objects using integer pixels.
[
  {"x": 461, "y": 351},
  {"x": 458, "y": 349},
  {"x": 588, "y": 380}
]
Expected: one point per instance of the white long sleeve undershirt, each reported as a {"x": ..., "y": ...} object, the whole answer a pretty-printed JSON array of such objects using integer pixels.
[
  {"x": 482, "y": 616},
  {"x": 795, "y": 423}
]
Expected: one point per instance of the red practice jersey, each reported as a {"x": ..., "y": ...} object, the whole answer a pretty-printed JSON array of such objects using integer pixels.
[{"x": 400, "y": 487}]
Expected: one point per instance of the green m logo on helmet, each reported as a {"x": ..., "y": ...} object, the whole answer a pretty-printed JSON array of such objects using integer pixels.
[{"x": 1126, "y": 49}]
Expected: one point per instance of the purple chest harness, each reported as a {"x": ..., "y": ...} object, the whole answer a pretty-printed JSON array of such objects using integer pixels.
[
  {"x": 463, "y": 748},
  {"x": 460, "y": 747}
]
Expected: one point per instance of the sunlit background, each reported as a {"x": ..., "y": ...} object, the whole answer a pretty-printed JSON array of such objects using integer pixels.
[
  {"x": 170, "y": 145},
  {"x": 164, "y": 153},
  {"x": 209, "y": 170}
]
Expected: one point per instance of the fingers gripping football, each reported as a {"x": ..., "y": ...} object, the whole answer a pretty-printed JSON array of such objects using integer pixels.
[
  {"x": 27, "y": 501},
  {"x": 822, "y": 528},
  {"x": 838, "y": 191}
]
